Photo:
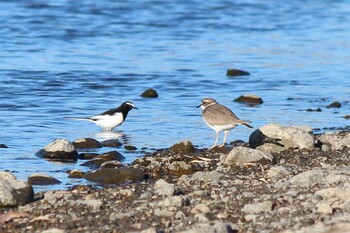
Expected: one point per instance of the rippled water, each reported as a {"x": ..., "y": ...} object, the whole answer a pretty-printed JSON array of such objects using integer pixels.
[{"x": 79, "y": 58}]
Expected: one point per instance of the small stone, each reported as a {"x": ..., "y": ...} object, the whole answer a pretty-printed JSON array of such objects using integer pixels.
[
  {"x": 335, "y": 104},
  {"x": 236, "y": 72},
  {"x": 346, "y": 117},
  {"x": 163, "y": 188},
  {"x": 325, "y": 148},
  {"x": 76, "y": 174},
  {"x": 86, "y": 143},
  {"x": 179, "y": 168},
  {"x": 59, "y": 149},
  {"x": 257, "y": 208},
  {"x": 314, "y": 110},
  {"x": 249, "y": 98},
  {"x": 200, "y": 208},
  {"x": 87, "y": 156},
  {"x": 149, "y": 93},
  {"x": 42, "y": 179},
  {"x": 183, "y": 147},
  {"x": 278, "y": 172},
  {"x": 111, "y": 143},
  {"x": 324, "y": 208},
  {"x": 130, "y": 147},
  {"x": 111, "y": 164},
  {"x": 109, "y": 156}
]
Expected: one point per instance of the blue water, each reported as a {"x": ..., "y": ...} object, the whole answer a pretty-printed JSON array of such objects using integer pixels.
[{"x": 79, "y": 58}]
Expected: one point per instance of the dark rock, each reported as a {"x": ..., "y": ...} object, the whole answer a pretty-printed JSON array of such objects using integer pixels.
[
  {"x": 42, "y": 179},
  {"x": 76, "y": 174},
  {"x": 111, "y": 143},
  {"x": 85, "y": 156},
  {"x": 149, "y": 93},
  {"x": 180, "y": 168},
  {"x": 114, "y": 176},
  {"x": 183, "y": 147},
  {"x": 335, "y": 104},
  {"x": 3, "y": 146},
  {"x": 236, "y": 72},
  {"x": 347, "y": 116},
  {"x": 249, "y": 98},
  {"x": 314, "y": 110},
  {"x": 87, "y": 143},
  {"x": 59, "y": 149},
  {"x": 130, "y": 147},
  {"x": 109, "y": 156},
  {"x": 111, "y": 164}
]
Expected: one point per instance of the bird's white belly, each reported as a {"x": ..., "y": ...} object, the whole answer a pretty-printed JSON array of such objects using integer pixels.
[
  {"x": 109, "y": 122},
  {"x": 219, "y": 128}
]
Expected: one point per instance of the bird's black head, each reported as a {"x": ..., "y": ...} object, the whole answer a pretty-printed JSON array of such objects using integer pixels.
[{"x": 128, "y": 105}]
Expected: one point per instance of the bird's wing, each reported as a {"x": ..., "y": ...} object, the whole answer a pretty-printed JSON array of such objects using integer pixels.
[{"x": 218, "y": 114}]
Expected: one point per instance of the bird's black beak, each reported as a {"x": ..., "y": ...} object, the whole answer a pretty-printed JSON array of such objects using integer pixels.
[
  {"x": 199, "y": 106},
  {"x": 135, "y": 108}
]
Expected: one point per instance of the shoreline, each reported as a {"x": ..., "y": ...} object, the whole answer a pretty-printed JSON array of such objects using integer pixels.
[{"x": 182, "y": 189}]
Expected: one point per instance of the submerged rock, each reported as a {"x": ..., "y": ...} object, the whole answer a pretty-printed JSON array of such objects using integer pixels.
[
  {"x": 14, "y": 192},
  {"x": 3, "y": 146},
  {"x": 335, "y": 104},
  {"x": 249, "y": 98},
  {"x": 59, "y": 149},
  {"x": 76, "y": 174},
  {"x": 183, "y": 147},
  {"x": 87, "y": 143},
  {"x": 114, "y": 176},
  {"x": 149, "y": 93},
  {"x": 109, "y": 156},
  {"x": 42, "y": 179},
  {"x": 112, "y": 143},
  {"x": 236, "y": 72},
  {"x": 275, "y": 138}
]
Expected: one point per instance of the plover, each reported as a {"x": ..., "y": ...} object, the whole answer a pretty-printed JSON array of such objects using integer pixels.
[
  {"x": 219, "y": 118},
  {"x": 110, "y": 119}
]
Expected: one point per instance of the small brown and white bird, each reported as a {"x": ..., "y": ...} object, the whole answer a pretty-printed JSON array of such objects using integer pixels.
[
  {"x": 110, "y": 119},
  {"x": 219, "y": 118}
]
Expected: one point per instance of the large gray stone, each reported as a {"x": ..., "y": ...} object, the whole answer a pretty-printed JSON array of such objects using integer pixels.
[
  {"x": 14, "y": 192},
  {"x": 257, "y": 208},
  {"x": 275, "y": 138},
  {"x": 42, "y": 179},
  {"x": 336, "y": 140},
  {"x": 59, "y": 149},
  {"x": 87, "y": 143},
  {"x": 241, "y": 155},
  {"x": 161, "y": 187}
]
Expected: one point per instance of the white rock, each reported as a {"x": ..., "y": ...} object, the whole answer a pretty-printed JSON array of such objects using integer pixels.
[
  {"x": 340, "y": 193},
  {"x": 336, "y": 140},
  {"x": 53, "y": 230},
  {"x": 324, "y": 208},
  {"x": 289, "y": 137},
  {"x": 241, "y": 155},
  {"x": 161, "y": 187},
  {"x": 14, "y": 192},
  {"x": 59, "y": 145},
  {"x": 278, "y": 172},
  {"x": 257, "y": 208}
]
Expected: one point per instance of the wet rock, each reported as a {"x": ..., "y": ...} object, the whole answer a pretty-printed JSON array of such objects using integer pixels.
[
  {"x": 163, "y": 188},
  {"x": 3, "y": 146},
  {"x": 86, "y": 156},
  {"x": 181, "y": 168},
  {"x": 314, "y": 110},
  {"x": 111, "y": 143},
  {"x": 183, "y": 147},
  {"x": 336, "y": 140},
  {"x": 87, "y": 143},
  {"x": 59, "y": 149},
  {"x": 275, "y": 138},
  {"x": 76, "y": 174},
  {"x": 335, "y": 104},
  {"x": 257, "y": 208},
  {"x": 14, "y": 192},
  {"x": 241, "y": 155},
  {"x": 42, "y": 179},
  {"x": 109, "y": 156},
  {"x": 249, "y": 98},
  {"x": 130, "y": 147},
  {"x": 114, "y": 176},
  {"x": 149, "y": 93},
  {"x": 111, "y": 164},
  {"x": 346, "y": 117},
  {"x": 236, "y": 72}
]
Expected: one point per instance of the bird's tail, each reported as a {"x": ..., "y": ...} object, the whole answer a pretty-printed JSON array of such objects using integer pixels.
[
  {"x": 79, "y": 118},
  {"x": 246, "y": 124}
]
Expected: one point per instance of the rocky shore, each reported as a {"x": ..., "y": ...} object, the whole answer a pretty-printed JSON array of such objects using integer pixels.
[{"x": 285, "y": 179}]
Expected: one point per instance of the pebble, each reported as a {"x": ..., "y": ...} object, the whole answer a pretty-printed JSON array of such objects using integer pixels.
[
  {"x": 200, "y": 208},
  {"x": 163, "y": 188},
  {"x": 324, "y": 208}
]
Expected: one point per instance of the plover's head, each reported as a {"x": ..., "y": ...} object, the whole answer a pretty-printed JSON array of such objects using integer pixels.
[
  {"x": 206, "y": 102},
  {"x": 129, "y": 105}
]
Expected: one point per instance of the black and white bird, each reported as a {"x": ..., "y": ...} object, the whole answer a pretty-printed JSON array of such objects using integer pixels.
[
  {"x": 219, "y": 118},
  {"x": 110, "y": 119}
]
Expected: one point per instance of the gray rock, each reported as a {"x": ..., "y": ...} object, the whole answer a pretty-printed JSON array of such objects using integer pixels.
[
  {"x": 212, "y": 176},
  {"x": 336, "y": 140},
  {"x": 42, "y": 179},
  {"x": 53, "y": 230},
  {"x": 161, "y": 187},
  {"x": 321, "y": 228},
  {"x": 183, "y": 147},
  {"x": 87, "y": 143},
  {"x": 93, "y": 204},
  {"x": 219, "y": 227},
  {"x": 278, "y": 172},
  {"x": 181, "y": 168},
  {"x": 324, "y": 208},
  {"x": 241, "y": 155},
  {"x": 14, "y": 192},
  {"x": 257, "y": 208},
  {"x": 340, "y": 193},
  {"x": 200, "y": 208},
  {"x": 112, "y": 143},
  {"x": 114, "y": 176},
  {"x": 59, "y": 149}
]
